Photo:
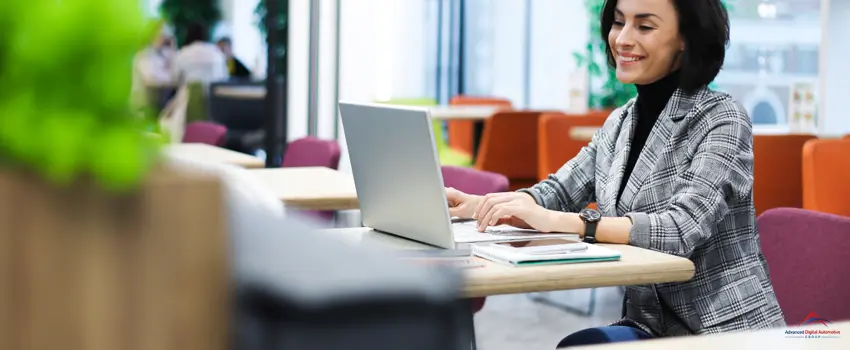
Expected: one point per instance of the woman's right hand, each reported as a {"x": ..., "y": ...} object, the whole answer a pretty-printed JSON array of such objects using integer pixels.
[{"x": 461, "y": 205}]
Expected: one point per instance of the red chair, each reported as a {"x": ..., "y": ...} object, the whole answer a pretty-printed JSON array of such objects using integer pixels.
[
  {"x": 205, "y": 132},
  {"x": 462, "y": 132},
  {"x": 475, "y": 182},
  {"x": 807, "y": 254},
  {"x": 313, "y": 152}
]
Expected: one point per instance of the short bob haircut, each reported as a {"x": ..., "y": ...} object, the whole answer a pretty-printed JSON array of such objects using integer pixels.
[{"x": 704, "y": 26}]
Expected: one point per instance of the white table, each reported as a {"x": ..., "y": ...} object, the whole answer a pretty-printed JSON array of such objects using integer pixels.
[
  {"x": 310, "y": 188},
  {"x": 205, "y": 152},
  {"x": 463, "y": 112},
  {"x": 636, "y": 266},
  {"x": 241, "y": 92}
]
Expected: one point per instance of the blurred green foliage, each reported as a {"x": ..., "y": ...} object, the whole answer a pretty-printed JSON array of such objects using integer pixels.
[
  {"x": 606, "y": 92},
  {"x": 181, "y": 13},
  {"x": 65, "y": 81}
]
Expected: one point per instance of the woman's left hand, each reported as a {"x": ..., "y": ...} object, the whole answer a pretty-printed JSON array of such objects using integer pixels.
[{"x": 514, "y": 207}]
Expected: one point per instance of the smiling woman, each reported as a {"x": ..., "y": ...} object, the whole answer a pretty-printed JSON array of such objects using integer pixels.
[{"x": 670, "y": 171}]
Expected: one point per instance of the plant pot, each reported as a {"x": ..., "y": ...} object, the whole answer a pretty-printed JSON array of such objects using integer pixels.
[{"x": 84, "y": 269}]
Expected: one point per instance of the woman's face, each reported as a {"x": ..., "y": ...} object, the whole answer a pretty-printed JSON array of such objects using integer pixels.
[{"x": 645, "y": 40}]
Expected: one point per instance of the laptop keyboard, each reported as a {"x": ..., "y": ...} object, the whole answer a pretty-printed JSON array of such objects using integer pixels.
[{"x": 467, "y": 232}]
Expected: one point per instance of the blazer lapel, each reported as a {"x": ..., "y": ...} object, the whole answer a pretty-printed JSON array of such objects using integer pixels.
[
  {"x": 621, "y": 156},
  {"x": 656, "y": 144}
]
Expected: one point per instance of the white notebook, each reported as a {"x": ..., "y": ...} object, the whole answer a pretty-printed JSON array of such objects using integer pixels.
[{"x": 504, "y": 254}]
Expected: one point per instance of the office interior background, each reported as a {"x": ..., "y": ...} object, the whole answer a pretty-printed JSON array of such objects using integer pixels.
[{"x": 521, "y": 50}]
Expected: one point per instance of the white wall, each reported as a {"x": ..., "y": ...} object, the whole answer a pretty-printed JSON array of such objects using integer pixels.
[
  {"x": 558, "y": 29},
  {"x": 508, "y": 69},
  {"x": 834, "y": 71},
  {"x": 382, "y": 55}
]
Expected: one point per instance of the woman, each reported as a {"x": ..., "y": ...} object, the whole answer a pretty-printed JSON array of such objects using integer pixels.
[
  {"x": 671, "y": 171},
  {"x": 199, "y": 60}
]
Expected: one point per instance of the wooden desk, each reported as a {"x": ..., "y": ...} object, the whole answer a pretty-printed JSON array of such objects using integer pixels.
[
  {"x": 764, "y": 339},
  {"x": 201, "y": 151},
  {"x": 311, "y": 188},
  {"x": 241, "y": 92},
  {"x": 636, "y": 266},
  {"x": 583, "y": 133},
  {"x": 463, "y": 112}
]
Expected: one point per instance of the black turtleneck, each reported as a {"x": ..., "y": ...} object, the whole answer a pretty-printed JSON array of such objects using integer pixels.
[{"x": 652, "y": 98}]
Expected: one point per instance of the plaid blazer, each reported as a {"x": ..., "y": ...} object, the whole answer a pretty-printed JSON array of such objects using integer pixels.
[{"x": 691, "y": 195}]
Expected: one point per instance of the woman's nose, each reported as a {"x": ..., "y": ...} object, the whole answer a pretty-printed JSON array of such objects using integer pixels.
[{"x": 625, "y": 37}]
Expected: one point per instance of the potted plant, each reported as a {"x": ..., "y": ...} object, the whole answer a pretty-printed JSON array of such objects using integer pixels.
[{"x": 101, "y": 246}]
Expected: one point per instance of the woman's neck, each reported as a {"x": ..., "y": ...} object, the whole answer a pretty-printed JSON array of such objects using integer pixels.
[{"x": 653, "y": 97}]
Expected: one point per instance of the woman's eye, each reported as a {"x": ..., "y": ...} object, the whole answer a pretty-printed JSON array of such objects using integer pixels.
[
  {"x": 618, "y": 23},
  {"x": 645, "y": 28}
]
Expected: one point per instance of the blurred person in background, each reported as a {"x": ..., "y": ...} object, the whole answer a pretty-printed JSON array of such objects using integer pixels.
[
  {"x": 235, "y": 67},
  {"x": 199, "y": 60},
  {"x": 152, "y": 80}
]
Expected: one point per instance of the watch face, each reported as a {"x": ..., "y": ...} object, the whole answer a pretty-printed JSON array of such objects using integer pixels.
[{"x": 591, "y": 215}]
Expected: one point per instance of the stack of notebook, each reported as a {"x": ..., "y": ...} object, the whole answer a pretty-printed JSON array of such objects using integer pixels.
[{"x": 543, "y": 252}]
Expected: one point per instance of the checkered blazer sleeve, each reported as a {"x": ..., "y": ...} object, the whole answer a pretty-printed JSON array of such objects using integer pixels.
[
  {"x": 719, "y": 177},
  {"x": 573, "y": 186}
]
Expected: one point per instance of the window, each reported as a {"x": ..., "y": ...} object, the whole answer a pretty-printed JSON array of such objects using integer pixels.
[{"x": 773, "y": 44}]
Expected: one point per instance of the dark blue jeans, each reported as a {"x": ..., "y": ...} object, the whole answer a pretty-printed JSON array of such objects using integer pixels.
[{"x": 602, "y": 335}]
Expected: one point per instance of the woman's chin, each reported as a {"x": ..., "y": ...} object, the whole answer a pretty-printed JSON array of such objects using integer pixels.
[{"x": 626, "y": 77}]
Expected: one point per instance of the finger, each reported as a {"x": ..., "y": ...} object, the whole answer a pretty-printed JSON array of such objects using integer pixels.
[
  {"x": 492, "y": 216},
  {"x": 498, "y": 212},
  {"x": 457, "y": 211},
  {"x": 505, "y": 220},
  {"x": 489, "y": 201},
  {"x": 504, "y": 211}
]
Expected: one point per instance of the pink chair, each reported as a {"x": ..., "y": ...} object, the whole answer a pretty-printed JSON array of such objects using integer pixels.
[
  {"x": 477, "y": 182},
  {"x": 313, "y": 152},
  {"x": 807, "y": 254},
  {"x": 205, "y": 132},
  {"x": 310, "y": 152}
]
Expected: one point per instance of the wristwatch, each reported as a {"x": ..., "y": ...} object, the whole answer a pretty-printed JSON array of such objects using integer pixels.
[{"x": 591, "y": 218}]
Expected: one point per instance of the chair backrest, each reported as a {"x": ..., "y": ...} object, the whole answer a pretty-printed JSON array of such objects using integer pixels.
[
  {"x": 205, "y": 132},
  {"x": 826, "y": 174},
  {"x": 311, "y": 151},
  {"x": 237, "y": 113},
  {"x": 473, "y": 181},
  {"x": 509, "y": 146},
  {"x": 778, "y": 163},
  {"x": 807, "y": 254},
  {"x": 172, "y": 119},
  {"x": 461, "y": 132},
  {"x": 555, "y": 145}
]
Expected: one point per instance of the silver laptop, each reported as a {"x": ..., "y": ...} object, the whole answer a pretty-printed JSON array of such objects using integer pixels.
[{"x": 398, "y": 178}]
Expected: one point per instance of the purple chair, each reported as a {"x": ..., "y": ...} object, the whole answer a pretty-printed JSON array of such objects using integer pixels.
[
  {"x": 313, "y": 152},
  {"x": 808, "y": 253},
  {"x": 477, "y": 182},
  {"x": 473, "y": 181},
  {"x": 310, "y": 151},
  {"x": 205, "y": 132}
]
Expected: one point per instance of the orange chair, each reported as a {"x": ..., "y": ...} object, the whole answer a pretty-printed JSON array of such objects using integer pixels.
[
  {"x": 777, "y": 168},
  {"x": 509, "y": 147},
  {"x": 826, "y": 170},
  {"x": 555, "y": 145},
  {"x": 462, "y": 132}
]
